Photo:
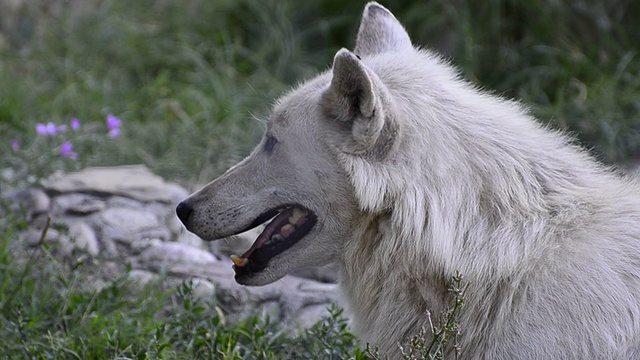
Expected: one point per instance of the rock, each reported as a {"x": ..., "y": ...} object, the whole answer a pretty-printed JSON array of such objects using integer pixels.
[
  {"x": 139, "y": 245},
  {"x": 327, "y": 274},
  {"x": 109, "y": 248},
  {"x": 59, "y": 242},
  {"x": 125, "y": 216},
  {"x": 33, "y": 201},
  {"x": 40, "y": 221},
  {"x": 175, "y": 258},
  {"x": 83, "y": 238},
  {"x": 129, "y": 221},
  {"x": 77, "y": 204},
  {"x": 292, "y": 295},
  {"x": 308, "y": 316},
  {"x": 7, "y": 174},
  {"x": 174, "y": 224},
  {"x": 176, "y": 193},
  {"x": 236, "y": 244},
  {"x": 141, "y": 277},
  {"x": 190, "y": 239},
  {"x": 273, "y": 309},
  {"x": 34, "y": 237},
  {"x": 116, "y": 201},
  {"x": 133, "y": 181},
  {"x": 203, "y": 290},
  {"x": 126, "y": 225}
]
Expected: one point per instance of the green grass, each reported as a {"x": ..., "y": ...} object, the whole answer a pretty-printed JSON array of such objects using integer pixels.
[
  {"x": 184, "y": 85},
  {"x": 48, "y": 310},
  {"x": 191, "y": 80}
]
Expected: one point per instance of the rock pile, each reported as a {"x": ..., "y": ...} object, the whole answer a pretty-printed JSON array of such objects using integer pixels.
[{"x": 125, "y": 216}]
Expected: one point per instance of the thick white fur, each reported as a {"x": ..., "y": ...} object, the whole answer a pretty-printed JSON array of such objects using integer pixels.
[{"x": 547, "y": 240}]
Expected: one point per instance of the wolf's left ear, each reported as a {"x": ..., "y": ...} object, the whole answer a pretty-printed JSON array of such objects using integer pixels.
[
  {"x": 380, "y": 32},
  {"x": 353, "y": 99}
]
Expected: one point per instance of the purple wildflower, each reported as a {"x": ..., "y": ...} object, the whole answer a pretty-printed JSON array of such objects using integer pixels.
[
  {"x": 15, "y": 145},
  {"x": 46, "y": 129},
  {"x": 113, "y": 122},
  {"x": 75, "y": 124},
  {"x": 51, "y": 129},
  {"x": 41, "y": 129},
  {"x": 115, "y": 132},
  {"x": 66, "y": 151}
]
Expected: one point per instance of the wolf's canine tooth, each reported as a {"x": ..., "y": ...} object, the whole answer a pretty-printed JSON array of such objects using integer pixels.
[{"x": 239, "y": 261}]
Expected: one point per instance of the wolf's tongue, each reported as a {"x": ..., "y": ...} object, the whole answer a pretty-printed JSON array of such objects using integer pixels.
[{"x": 276, "y": 226}]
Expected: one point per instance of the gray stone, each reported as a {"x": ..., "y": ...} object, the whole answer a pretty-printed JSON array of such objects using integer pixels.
[
  {"x": 309, "y": 315},
  {"x": 117, "y": 201},
  {"x": 203, "y": 289},
  {"x": 141, "y": 277},
  {"x": 100, "y": 272},
  {"x": 59, "y": 242},
  {"x": 272, "y": 308},
  {"x": 175, "y": 258},
  {"x": 139, "y": 245},
  {"x": 126, "y": 225},
  {"x": 300, "y": 302},
  {"x": 33, "y": 201},
  {"x": 327, "y": 274},
  {"x": 39, "y": 221},
  {"x": 162, "y": 210},
  {"x": 176, "y": 193},
  {"x": 129, "y": 221},
  {"x": 175, "y": 225},
  {"x": 190, "y": 239},
  {"x": 236, "y": 244},
  {"x": 109, "y": 247},
  {"x": 35, "y": 237},
  {"x": 126, "y": 215},
  {"x": 8, "y": 174},
  {"x": 133, "y": 181},
  {"x": 83, "y": 238},
  {"x": 77, "y": 204}
]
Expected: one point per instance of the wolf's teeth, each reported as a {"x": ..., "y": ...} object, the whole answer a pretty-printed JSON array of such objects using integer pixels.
[
  {"x": 239, "y": 261},
  {"x": 287, "y": 230},
  {"x": 297, "y": 214},
  {"x": 276, "y": 237}
]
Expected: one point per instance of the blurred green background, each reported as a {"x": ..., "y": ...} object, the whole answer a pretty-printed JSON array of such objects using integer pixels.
[{"x": 190, "y": 80}]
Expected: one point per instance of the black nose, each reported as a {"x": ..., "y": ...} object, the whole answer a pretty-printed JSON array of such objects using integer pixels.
[{"x": 184, "y": 210}]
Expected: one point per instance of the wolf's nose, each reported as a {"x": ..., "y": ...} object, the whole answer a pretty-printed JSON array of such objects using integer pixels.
[{"x": 184, "y": 210}]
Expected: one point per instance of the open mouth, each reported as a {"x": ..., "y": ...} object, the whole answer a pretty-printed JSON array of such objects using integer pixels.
[{"x": 289, "y": 224}]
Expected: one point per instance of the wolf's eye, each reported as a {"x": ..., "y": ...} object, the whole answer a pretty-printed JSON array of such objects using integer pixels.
[{"x": 270, "y": 143}]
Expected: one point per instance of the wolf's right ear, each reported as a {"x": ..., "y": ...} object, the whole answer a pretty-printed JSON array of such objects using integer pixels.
[
  {"x": 380, "y": 32},
  {"x": 353, "y": 99}
]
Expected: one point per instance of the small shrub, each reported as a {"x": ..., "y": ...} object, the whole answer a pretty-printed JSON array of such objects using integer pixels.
[{"x": 436, "y": 342}]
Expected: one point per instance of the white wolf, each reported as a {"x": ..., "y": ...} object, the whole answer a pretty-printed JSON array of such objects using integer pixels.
[{"x": 403, "y": 173}]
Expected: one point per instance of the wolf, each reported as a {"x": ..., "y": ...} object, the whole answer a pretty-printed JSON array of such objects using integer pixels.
[{"x": 403, "y": 173}]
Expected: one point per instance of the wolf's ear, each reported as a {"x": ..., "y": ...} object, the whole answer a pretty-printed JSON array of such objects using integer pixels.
[
  {"x": 352, "y": 99},
  {"x": 380, "y": 32}
]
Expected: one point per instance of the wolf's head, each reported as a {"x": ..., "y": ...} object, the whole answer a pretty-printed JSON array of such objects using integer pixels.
[{"x": 296, "y": 179}]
